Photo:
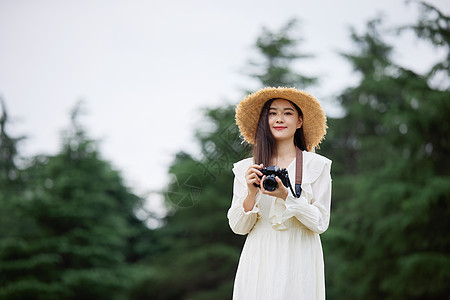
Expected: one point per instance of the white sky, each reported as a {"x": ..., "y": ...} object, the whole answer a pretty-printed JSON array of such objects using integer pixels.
[{"x": 146, "y": 68}]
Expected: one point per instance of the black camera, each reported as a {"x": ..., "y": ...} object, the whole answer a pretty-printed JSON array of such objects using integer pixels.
[{"x": 270, "y": 183}]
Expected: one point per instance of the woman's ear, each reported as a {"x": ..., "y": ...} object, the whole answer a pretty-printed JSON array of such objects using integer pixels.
[{"x": 300, "y": 122}]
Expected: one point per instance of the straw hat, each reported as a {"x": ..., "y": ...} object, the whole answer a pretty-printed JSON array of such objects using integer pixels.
[{"x": 314, "y": 120}]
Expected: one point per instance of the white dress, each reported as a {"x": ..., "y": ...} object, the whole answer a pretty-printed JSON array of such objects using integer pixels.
[{"x": 282, "y": 256}]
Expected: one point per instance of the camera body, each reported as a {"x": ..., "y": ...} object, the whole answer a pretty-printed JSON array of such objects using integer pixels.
[{"x": 271, "y": 172}]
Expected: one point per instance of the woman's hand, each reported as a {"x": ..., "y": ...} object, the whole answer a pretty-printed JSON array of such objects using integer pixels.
[
  {"x": 281, "y": 192},
  {"x": 251, "y": 177}
]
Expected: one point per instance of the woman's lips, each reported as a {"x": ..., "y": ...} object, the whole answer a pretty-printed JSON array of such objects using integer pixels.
[{"x": 279, "y": 127}]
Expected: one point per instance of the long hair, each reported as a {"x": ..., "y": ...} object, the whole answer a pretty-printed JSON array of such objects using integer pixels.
[{"x": 265, "y": 147}]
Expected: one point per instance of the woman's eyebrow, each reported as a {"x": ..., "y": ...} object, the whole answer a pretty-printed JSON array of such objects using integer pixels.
[{"x": 286, "y": 108}]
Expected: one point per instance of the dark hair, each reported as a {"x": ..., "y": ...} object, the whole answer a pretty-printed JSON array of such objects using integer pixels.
[{"x": 265, "y": 147}]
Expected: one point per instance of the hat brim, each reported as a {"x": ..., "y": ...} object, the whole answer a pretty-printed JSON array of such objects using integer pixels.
[{"x": 314, "y": 120}]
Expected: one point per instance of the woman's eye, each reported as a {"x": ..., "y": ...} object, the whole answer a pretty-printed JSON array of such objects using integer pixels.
[
  {"x": 272, "y": 113},
  {"x": 288, "y": 113}
]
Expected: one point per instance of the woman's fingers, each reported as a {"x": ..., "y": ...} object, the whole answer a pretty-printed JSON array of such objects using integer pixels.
[
  {"x": 280, "y": 192},
  {"x": 261, "y": 183},
  {"x": 255, "y": 169},
  {"x": 253, "y": 174}
]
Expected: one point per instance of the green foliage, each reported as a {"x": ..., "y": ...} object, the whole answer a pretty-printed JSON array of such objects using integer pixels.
[
  {"x": 388, "y": 235},
  {"x": 279, "y": 51},
  {"x": 434, "y": 27},
  {"x": 9, "y": 171},
  {"x": 71, "y": 228}
]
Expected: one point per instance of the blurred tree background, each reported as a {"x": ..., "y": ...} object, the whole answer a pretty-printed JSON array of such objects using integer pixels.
[
  {"x": 68, "y": 228},
  {"x": 68, "y": 225},
  {"x": 391, "y": 202}
]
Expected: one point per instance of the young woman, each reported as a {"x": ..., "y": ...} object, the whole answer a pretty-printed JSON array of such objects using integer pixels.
[{"x": 282, "y": 256}]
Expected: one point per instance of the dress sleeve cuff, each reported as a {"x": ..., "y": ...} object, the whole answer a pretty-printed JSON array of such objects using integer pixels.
[{"x": 255, "y": 209}]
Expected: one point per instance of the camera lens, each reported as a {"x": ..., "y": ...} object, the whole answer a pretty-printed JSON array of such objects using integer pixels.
[{"x": 270, "y": 183}]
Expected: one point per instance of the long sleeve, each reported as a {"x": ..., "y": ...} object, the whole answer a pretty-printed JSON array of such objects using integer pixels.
[
  {"x": 315, "y": 212},
  {"x": 312, "y": 208},
  {"x": 241, "y": 222}
]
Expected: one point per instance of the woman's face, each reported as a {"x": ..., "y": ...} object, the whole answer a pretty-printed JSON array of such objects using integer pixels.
[{"x": 283, "y": 120}]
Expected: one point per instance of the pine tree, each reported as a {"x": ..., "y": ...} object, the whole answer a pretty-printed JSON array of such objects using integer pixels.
[
  {"x": 278, "y": 51},
  {"x": 9, "y": 172},
  {"x": 77, "y": 228},
  {"x": 388, "y": 234}
]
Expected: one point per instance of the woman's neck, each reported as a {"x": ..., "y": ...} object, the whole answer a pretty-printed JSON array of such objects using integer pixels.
[{"x": 285, "y": 152}]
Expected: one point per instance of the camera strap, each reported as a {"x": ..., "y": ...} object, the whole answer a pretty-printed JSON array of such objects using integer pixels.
[{"x": 298, "y": 172}]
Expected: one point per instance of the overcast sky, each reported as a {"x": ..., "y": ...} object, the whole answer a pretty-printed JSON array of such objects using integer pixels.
[{"x": 144, "y": 69}]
